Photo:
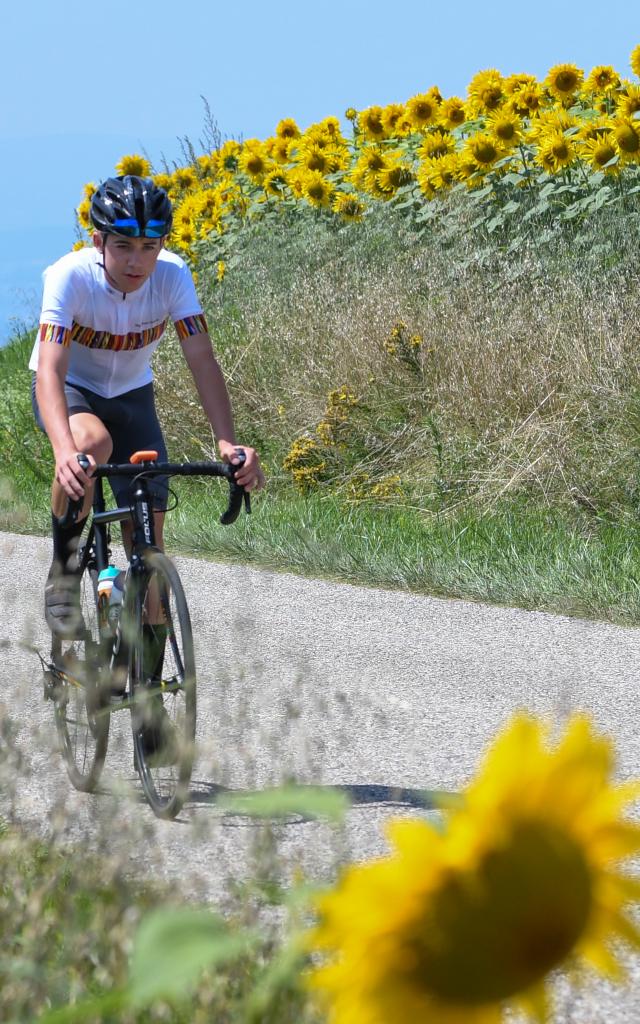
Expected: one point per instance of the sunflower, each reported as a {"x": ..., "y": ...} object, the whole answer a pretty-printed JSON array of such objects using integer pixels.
[
  {"x": 557, "y": 119},
  {"x": 467, "y": 170},
  {"x": 435, "y": 144},
  {"x": 348, "y": 206},
  {"x": 282, "y": 149},
  {"x": 555, "y": 151},
  {"x": 295, "y": 180},
  {"x": 422, "y": 110},
  {"x": 315, "y": 158},
  {"x": 327, "y": 131},
  {"x": 602, "y": 78},
  {"x": 82, "y": 213},
  {"x": 287, "y": 129},
  {"x": 634, "y": 61},
  {"x": 207, "y": 165},
  {"x": 316, "y": 189},
  {"x": 459, "y": 925},
  {"x": 134, "y": 164},
  {"x": 393, "y": 176},
  {"x": 563, "y": 81},
  {"x": 228, "y": 154},
  {"x": 527, "y": 101},
  {"x": 628, "y": 102},
  {"x": 626, "y": 136},
  {"x": 371, "y": 126},
  {"x": 275, "y": 184},
  {"x": 506, "y": 126},
  {"x": 599, "y": 152},
  {"x": 184, "y": 236},
  {"x": 163, "y": 181},
  {"x": 486, "y": 91},
  {"x": 452, "y": 113},
  {"x": 484, "y": 149},
  {"x": 514, "y": 83},
  {"x": 393, "y": 117},
  {"x": 437, "y": 173},
  {"x": 254, "y": 160},
  {"x": 184, "y": 178},
  {"x": 595, "y": 128},
  {"x": 351, "y": 114}
]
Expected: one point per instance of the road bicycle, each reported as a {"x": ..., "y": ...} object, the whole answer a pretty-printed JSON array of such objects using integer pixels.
[{"x": 143, "y": 660}]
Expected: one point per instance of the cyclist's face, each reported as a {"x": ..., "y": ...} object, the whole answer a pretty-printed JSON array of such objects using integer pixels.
[{"x": 128, "y": 262}]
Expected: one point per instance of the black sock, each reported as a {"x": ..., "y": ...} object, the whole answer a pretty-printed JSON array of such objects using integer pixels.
[
  {"x": 154, "y": 640},
  {"x": 65, "y": 543}
]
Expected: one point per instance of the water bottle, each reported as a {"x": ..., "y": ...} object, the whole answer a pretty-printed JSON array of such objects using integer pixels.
[{"x": 106, "y": 581}]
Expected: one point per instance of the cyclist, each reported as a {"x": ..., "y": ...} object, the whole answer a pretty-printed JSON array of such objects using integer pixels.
[{"x": 104, "y": 312}]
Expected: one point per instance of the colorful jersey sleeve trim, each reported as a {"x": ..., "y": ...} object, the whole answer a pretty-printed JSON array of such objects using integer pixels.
[
  {"x": 56, "y": 333},
  {"x": 191, "y": 325}
]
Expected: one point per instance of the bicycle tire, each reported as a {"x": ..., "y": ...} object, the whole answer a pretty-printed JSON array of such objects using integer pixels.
[
  {"x": 166, "y": 773},
  {"x": 81, "y": 707}
]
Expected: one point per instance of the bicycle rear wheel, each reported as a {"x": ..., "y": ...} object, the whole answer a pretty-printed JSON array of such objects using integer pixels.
[
  {"x": 81, "y": 706},
  {"x": 163, "y": 686}
]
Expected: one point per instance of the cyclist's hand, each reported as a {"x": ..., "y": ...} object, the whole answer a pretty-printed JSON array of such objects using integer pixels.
[
  {"x": 70, "y": 474},
  {"x": 250, "y": 475}
]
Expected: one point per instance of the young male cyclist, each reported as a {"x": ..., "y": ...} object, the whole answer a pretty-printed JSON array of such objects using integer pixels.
[{"x": 104, "y": 312}]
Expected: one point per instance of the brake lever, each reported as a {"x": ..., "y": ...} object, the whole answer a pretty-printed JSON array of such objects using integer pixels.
[{"x": 237, "y": 494}]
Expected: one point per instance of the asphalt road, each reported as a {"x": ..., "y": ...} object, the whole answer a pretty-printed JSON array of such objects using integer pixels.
[{"x": 388, "y": 694}]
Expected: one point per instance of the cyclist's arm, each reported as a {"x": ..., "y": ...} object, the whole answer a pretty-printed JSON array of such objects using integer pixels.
[
  {"x": 214, "y": 398},
  {"x": 53, "y": 361}
]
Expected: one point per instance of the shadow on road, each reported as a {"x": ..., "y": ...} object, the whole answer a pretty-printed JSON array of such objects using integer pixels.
[{"x": 358, "y": 795}]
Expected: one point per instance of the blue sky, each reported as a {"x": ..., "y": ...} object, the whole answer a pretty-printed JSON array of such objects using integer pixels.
[{"x": 83, "y": 85}]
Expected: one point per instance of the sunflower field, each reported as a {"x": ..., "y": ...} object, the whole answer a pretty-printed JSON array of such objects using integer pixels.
[{"x": 569, "y": 144}]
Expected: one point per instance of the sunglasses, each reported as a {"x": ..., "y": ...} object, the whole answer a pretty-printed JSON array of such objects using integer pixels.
[{"x": 131, "y": 229}]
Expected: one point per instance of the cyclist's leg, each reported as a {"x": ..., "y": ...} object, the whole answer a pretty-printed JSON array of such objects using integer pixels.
[
  {"x": 62, "y": 588},
  {"x": 91, "y": 436},
  {"x": 136, "y": 427}
]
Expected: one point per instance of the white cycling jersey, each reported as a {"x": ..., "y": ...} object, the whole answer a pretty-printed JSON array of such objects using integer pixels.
[{"x": 113, "y": 336}]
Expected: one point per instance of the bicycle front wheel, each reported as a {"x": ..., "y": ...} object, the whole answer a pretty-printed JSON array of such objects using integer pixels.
[
  {"x": 80, "y": 703},
  {"x": 162, "y": 686}
]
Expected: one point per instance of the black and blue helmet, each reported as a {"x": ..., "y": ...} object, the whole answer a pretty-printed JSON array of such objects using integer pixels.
[{"x": 131, "y": 206}]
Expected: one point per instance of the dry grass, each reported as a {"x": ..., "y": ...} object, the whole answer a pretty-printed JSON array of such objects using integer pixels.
[{"x": 525, "y": 382}]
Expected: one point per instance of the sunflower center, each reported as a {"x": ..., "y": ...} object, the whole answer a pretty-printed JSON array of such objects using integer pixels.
[
  {"x": 560, "y": 149},
  {"x": 423, "y": 111},
  {"x": 488, "y": 938},
  {"x": 603, "y": 153},
  {"x": 566, "y": 81},
  {"x": 484, "y": 151},
  {"x": 628, "y": 140},
  {"x": 491, "y": 97}
]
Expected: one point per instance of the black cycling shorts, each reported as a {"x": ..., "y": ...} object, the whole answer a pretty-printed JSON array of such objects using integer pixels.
[{"x": 132, "y": 422}]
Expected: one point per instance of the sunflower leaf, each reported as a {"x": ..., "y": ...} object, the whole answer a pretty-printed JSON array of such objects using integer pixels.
[{"x": 173, "y": 946}]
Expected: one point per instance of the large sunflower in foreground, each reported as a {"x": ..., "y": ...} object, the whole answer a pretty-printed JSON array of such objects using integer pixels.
[{"x": 456, "y": 927}]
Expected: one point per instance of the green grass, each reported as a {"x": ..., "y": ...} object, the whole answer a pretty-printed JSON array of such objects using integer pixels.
[{"x": 521, "y": 556}]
